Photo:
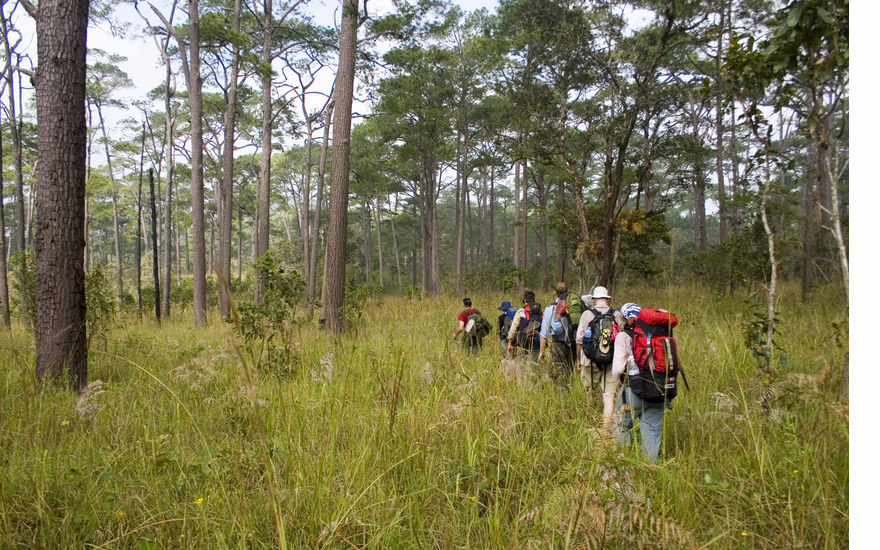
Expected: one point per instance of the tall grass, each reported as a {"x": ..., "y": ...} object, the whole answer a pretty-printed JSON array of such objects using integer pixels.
[{"x": 392, "y": 437}]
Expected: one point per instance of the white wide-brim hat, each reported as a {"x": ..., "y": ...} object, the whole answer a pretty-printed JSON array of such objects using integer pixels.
[{"x": 601, "y": 292}]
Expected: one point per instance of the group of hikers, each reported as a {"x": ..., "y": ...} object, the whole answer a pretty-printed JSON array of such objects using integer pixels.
[{"x": 628, "y": 354}]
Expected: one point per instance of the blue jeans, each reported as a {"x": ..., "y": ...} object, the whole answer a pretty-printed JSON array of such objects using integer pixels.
[{"x": 629, "y": 408}]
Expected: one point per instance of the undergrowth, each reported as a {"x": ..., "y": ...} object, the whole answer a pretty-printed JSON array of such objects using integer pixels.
[{"x": 393, "y": 437}]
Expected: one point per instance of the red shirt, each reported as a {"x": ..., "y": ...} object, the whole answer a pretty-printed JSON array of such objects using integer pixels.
[{"x": 463, "y": 316}]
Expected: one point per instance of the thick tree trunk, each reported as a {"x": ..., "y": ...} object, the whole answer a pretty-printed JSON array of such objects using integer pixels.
[
  {"x": 60, "y": 298},
  {"x": 334, "y": 294}
]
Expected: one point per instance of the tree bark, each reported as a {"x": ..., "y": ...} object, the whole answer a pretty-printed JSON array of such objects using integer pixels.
[
  {"x": 719, "y": 128},
  {"x": 224, "y": 204},
  {"x": 334, "y": 295},
  {"x": 4, "y": 283},
  {"x": 197, "y": 183},
  {"x": 155, "y": 237},
  {"x": 266, "y": 139},
  {"x": 117, "y": 245},
  {"x": 316, "y": 223},
  {"x": 60, "y": 297}
]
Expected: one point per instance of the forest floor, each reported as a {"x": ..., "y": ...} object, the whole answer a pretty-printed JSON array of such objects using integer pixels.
[{"x": 393, "y": 437}]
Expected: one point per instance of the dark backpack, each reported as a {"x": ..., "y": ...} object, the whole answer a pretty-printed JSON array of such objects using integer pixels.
[
  {"x": 656, "y": 355},
  {"x": 504, "y": 322},
  {"x": 599, "y": 345},
  {"x": 528, "y": 333},
  {"x": 561, "y": 327},
  {"x": 477, "y": 325}
]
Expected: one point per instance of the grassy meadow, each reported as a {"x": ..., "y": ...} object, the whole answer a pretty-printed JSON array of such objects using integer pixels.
[{"x": 392, "y": 437}]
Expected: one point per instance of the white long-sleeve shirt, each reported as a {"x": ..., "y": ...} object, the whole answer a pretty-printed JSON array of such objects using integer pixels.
[{"x": 623, "y": 354}]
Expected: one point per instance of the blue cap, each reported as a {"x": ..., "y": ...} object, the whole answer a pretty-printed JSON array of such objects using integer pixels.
[{"x": 505, "y": 305}]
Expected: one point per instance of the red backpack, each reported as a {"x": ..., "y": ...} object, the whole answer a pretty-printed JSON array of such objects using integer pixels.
[{"x": 656, "y": 354}]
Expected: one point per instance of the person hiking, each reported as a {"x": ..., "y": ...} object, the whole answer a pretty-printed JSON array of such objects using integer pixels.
[
  {"x": 556, "y": 334},
  {"x": 474, "y": 326},
  {"x": 630, "y": 407},
  {"x": 596, "y": 370},
  {"x": 505, "y": 320},
  {"x": 524, "y": 338}
]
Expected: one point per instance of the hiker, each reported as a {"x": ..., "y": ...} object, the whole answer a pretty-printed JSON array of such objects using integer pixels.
[
  {"x": 524, "y": 336},
  {"x": 593, "y": 357},
  {"x": 474, "y": 326},
  {"x": 630, "y": 407},
  {"x": 557, "y": 333},
  {"x": 505, "y": 320}
]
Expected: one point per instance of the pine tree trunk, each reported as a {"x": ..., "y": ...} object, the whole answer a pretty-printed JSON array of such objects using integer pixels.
[
  {"x": 60, "y": 298},
  {"x": 266, "y": 139},
  {"x": 4, "y": 283},
  {"x": 117, "y": 246},
  {"x": 334, "y": 294},
  {"x": 169, "y": 195},
  {"x": 316, "y": 223},
  {"x": 194, "y": 85},
  {"x": 224, "y": 203}
]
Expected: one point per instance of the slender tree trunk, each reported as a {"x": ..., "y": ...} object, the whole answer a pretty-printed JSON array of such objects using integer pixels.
[
  {"x": 4, "y": 283},
  {"x": 774, "y": 265},
  {"x": 334, "y": 294},
  {"x": 194, "y": 86},
  {"x": 137, "y": 248},
  {"x": 719, "y": 128},
  {"x": 541, "y": 189},
  {"x": 224, "y": 203},
  {"x": 459, "y": 212},
  {"x": 117, "y": 245},
  {"x": 367, "y": 241},
  {"x": 517, "y": 229},
  {"x": 491, "y": 253},
  {"x": 155, "y": 236},
  {"x": 169, "y": 195},
  {"x": 316, "y": 223},
  {"x": 379, "y": 241},
  {"x": 266, "y": 139},
  {"x": 524, "y": 233},
  {"x": 20, "y": 243},
  {"x": 396, "y": 251},
  {"x": 60, "y": 324},
  {"x": 563, "y": 249}
]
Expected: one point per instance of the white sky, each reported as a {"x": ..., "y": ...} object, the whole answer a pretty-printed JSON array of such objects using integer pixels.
[{"x": 144, "y": 64}]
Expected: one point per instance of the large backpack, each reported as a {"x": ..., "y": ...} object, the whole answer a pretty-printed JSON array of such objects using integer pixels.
[
  {"x": 477, "y": 325},
  {"x": 528, "y": 333},
  {"x": 656, "y": 356},
  {"x": 504, "y": 322},
  {"x": 599, "y": 345},
  {"x": 566, "y": 316},
  {"x": 560, "y": 325}
]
